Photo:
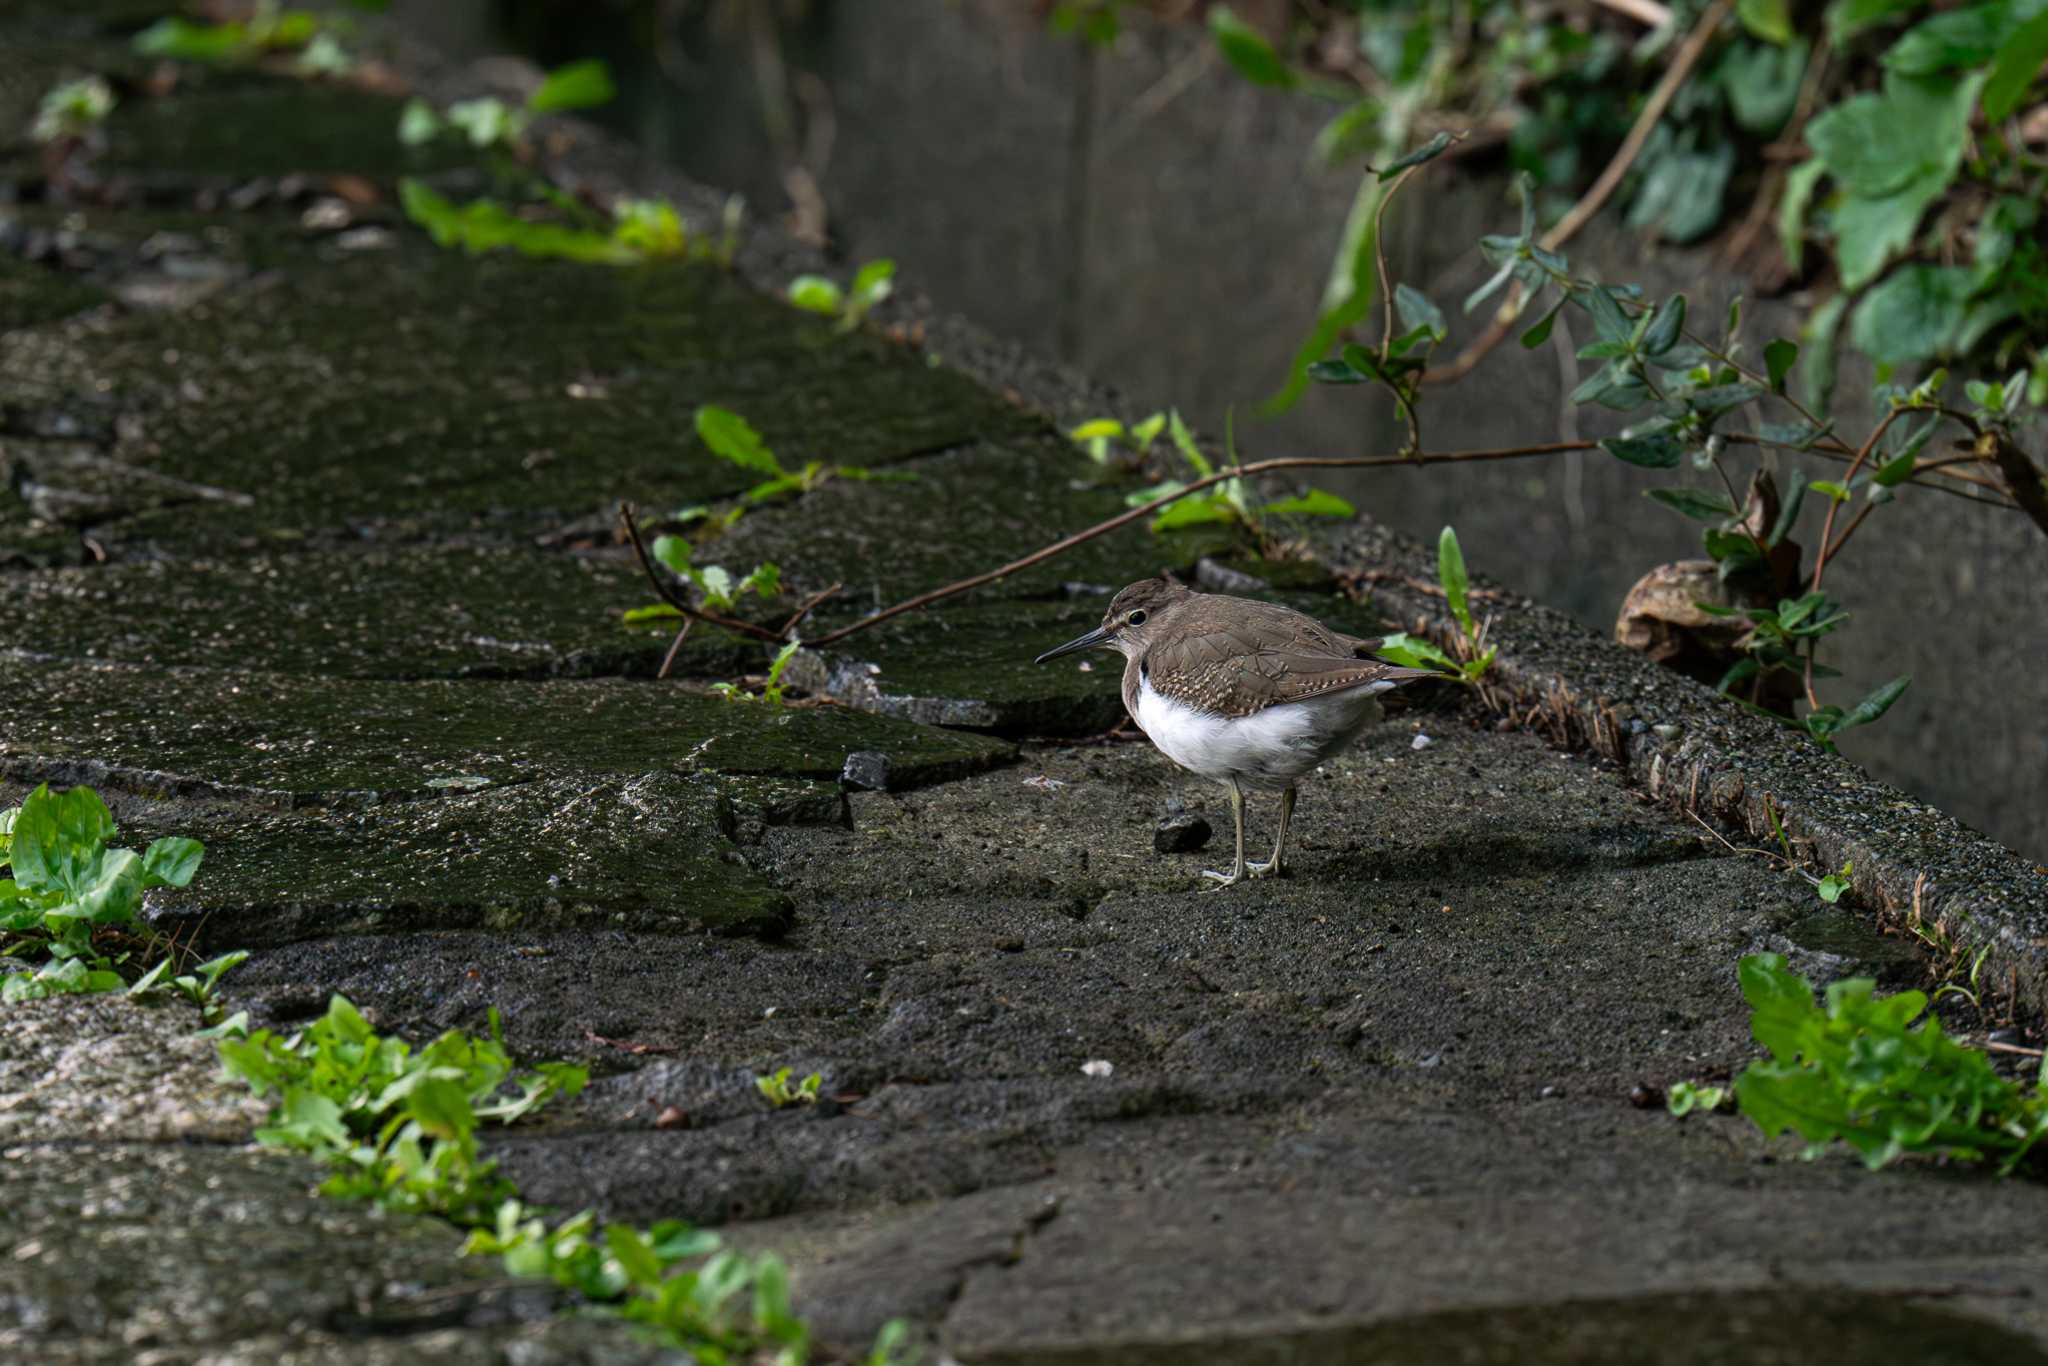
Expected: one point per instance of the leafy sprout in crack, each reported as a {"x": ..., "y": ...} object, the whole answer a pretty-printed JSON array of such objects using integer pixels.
[
  {"x": 490, "y": 123},
  {"x": 872, "y": 283},
  {"x": 731, "y": 438},
  {"x": 772, "y": 688},
  {"x": 1473, "y": 655},
  {"x": 637, "y": 230},
  {"x": 776, "y": 1088},
  {"x": 70, "y": 886}
]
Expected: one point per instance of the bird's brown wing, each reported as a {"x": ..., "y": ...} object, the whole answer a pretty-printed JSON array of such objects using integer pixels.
[{"x": 1275, "y": 655}]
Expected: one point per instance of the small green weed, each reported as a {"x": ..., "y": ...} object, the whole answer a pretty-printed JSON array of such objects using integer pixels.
[
  {"x": 201, "y": 987},
  {"x": 67, "y": 883},
  {"x": 74, "y": 109},
  {"x": 872, "y": 283},
  {"x": 771, "y": 692},
  {"x": 1474, "y": 656},
  {"x": 490, "y": 123},
  {"x": 1684, "y": 1097},
  {"x": 717, "y": 588},
  {"x": 1851, "y": 1069},
  {"x": 1232, "y": 502},
  {"x": 776, "y": 1088},
  {"x": 730, "y": 437},
  {"x": 315, "y": 36},
  {"x": 639, "y": 230}
]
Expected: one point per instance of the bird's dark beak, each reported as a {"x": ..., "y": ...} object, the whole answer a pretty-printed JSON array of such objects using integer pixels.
[{"x": 1098, "y": 636}]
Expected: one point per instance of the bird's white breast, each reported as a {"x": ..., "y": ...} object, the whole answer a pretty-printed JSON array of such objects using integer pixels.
[{"x": 1271, "y": 747}]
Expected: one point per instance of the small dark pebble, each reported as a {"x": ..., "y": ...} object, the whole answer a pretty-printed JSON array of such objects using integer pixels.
[
  {"x": 1182, "y": 834},
  {"x": 1646, "y": 1097},
  {"x": 866, "y": 769}
]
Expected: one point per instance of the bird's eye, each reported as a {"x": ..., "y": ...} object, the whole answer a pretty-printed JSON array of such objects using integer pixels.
[{"x": 1136, "y": 618}]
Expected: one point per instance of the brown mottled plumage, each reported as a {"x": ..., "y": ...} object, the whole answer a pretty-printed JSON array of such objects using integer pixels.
[{"x": 1249, "y": 693}]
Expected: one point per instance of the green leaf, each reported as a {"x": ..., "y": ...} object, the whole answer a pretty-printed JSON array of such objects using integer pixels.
[
  {"x": 1877, "y": 703},
  {"x": 1831, "y": 489},
  {"x": 1779, "y": 356},
  {"x": 418, "y": 123},
  {"x": 1450, "y": 570},
  {"x": 1701, "y": 504},
  {"x": 1609, "y": 321},
  {"x": 1352, "y": 133},
  {"x": 1246, "y": 49},
  {"x": 728, "y": 436},
  {"x": 1417, "y": 311},
  {"x": 1961, "y": 37},
  {"x": 1896, "y": 470},
  {"x": 635, "y": 1257},
  {"x": 1540, "y": 333},
  {"x": 1666, "y": 324},
  {"x": 1915, "y": 314},
  {"x": 182, "y": 40},
  {"x": 1184, "y": 442},
  {"x": 171, "y": 862},
  {"x": 1314, "y": 503},
  {"x": 2016, "y": 67},
  {"x": 1817, "y": 335},
  {"x": 148, "y": 981},
  {"x": 1799, "y": 187},
  {"x": 815, "y": 294},
  {"x": 660, "y": 611},
  {"x": 1337, "y": 372},
  {"x": 873, "y": 282},
  {"x": 1846, "y": 18},
  {"x": 1428, "y": 151},
  {"x": 1656, "y": 451},
  {"x": 1770, "y": 20},
  {"x": 579, "y": 85},
  {"x": 1097, "y": 429},
  {"x": 674, "y": 551},
  {"x": 1762, "y": 82},
  {"x": 1413, "y": 652}
]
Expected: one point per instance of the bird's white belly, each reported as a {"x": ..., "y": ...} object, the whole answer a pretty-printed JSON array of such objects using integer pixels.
[{"x": 1269, "y": 748}]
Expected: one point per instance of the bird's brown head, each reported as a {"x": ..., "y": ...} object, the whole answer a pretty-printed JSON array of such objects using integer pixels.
[{"x": 1133, "y": 614}]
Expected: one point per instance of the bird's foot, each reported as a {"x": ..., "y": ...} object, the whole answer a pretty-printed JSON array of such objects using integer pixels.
[
  {"x": 1223, "y": 880},
  {"x": 1270, "y": 868}
]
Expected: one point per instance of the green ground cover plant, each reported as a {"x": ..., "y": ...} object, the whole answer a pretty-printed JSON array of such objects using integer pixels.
[
  {"x": 68, "y": 912},
  {"x": 397, "y": 1127},
  {"x": 1856, "y": 1068},
  {"x": 314, "y": 39}
]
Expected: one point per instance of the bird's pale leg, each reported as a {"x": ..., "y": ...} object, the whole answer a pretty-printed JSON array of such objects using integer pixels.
[
  {"x": 1237, "y": 817},
  {"x": 1271, "y": 867}
]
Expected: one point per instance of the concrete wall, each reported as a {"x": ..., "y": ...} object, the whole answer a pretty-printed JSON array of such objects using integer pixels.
[{"x": 1168, "y": 232}]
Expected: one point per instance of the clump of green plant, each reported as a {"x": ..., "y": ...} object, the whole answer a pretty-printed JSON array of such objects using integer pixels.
[
  {"x": 638, "y": 229},
  {"x": 73, "y": 110},
  {"x": 552, "y": 225},
  {"x": 315, "y": 36},
  {"x": 1856, "y": 1069},
  {"x": 872, "y": 283},
  {"x": 201, "y": 987},
  {"x": 717, "y": 590},
  {"x": 396, "y": 1125},
  {"x": 68, "y": 882},
  {"x": 775, "y": 1087},
  {"x": 490, "y": 123},
  {"x": 1474, "y": 656}
]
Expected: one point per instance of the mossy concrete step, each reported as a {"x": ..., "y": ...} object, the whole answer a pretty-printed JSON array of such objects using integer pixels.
[{"x": 289, "y": 741}]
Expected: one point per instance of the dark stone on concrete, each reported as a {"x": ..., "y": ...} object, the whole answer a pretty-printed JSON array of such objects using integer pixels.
[
  {"x": 866, "y": 769},
  {"x": 1182, "y": 834}
]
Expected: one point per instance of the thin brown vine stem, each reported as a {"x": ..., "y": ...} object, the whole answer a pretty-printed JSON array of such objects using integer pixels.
[
  {"x": 1827, "y": 527},
  {"x": 1602, "y": 189},
  {"x": 1124, "y": 519},
  {"x": 668, "y": 660},
  {"x": 1844, "y": 453},
  {"x": 1850, "y": 530},
  {"x": 809, "y": 603}
]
